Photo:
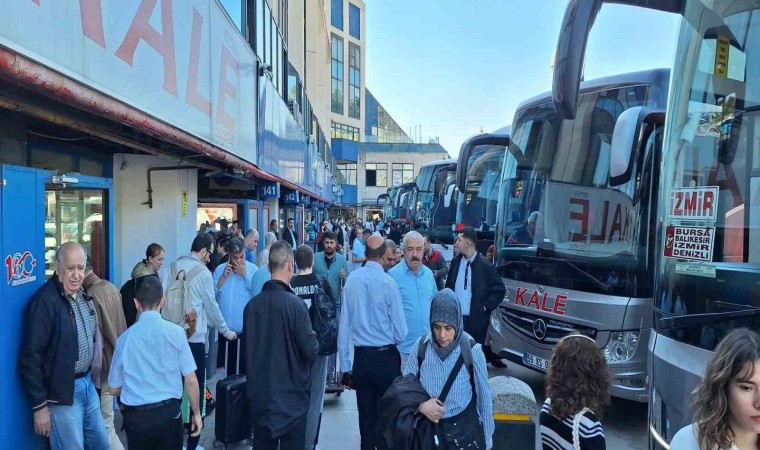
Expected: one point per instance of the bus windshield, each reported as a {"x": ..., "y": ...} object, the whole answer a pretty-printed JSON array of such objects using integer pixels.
[
  {"x": 555, "y": 193},
  {"x": 482, "y": 193},
  {"x": 711, "y": 179}
]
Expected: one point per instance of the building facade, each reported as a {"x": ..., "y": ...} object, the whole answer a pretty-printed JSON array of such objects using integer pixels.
[
  {"x": 347, "y": 69},
  {"x": 122, "y": 126}
]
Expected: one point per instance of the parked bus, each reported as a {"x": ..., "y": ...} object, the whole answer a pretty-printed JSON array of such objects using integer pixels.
[
  {"x": 710, "y": 186},
  {"x": 435, "y": 209},
  {"x": 574, "y": 234},
  {"x": 477, "y": 179}
]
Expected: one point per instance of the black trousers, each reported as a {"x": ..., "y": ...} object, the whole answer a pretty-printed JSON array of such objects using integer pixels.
[
  {"x": 373, "y": 373},
  {"x": 154, "y": 429},
  {"x": 294, "y": 439},
  {"x": 199, "y": 355},
  {"x": 487, "y": 352}
]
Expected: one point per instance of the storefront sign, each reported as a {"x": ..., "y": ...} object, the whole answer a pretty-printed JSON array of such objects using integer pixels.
[
  {"x": 697, "y": 204},
  {"x": 306, "y": 200},
  {"x": 20, "y": 268},
  {"x": 694, "y": 243},
  {"x": 181, "y": 61},
  {"x": 184, "y": 203},
  {"x": 269, "y": 190},
  {"x": 292, "y": 198}
]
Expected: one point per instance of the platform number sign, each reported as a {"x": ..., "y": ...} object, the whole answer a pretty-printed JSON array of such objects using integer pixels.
[
  {"x": 292, "y": 198},
  {"x": 269, "y": 190}
]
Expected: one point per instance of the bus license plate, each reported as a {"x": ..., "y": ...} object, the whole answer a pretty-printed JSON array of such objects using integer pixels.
[{"x": 535, "y": 361}]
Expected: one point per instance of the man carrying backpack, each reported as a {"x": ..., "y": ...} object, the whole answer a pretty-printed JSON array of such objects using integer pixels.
[
  {"x": 323, "y": 312},
  {"x": 191, "y": 303}
]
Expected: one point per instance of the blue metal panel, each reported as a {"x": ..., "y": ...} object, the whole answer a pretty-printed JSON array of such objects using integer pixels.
[
  {"x": 22, "y": 206},
  {"x": 349, "y": 194},
  {"x": 373, "y": 147},
  {"x": 282, "y": 142},
  {"x": 345, "y": 150}
]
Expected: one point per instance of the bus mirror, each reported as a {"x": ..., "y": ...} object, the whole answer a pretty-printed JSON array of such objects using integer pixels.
[
  {"x": 569, "y": 55},
  {"x": 630, "y": 133},
  {"x": 571, "y": 47},
  {"x": 449, "y": 195}
]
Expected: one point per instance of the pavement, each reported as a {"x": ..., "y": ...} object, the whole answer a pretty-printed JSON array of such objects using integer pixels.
[{"x": 624, "y": 424}]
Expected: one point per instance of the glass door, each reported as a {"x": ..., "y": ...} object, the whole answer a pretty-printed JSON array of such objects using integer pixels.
[{"x": 77, "y": 215}]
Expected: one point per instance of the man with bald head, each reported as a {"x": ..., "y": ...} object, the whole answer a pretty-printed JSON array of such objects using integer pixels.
[
  {"x": 61, "y": 357},
  {"x": 372, "y": 316}
]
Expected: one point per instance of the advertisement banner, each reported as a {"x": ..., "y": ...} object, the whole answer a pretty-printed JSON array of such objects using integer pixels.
[
  {"x": 694, "y": 243},
  {"x": 180, "y": 61}
]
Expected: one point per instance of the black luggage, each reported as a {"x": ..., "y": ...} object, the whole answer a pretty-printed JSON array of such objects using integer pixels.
[{"x": 232, "y": 422}]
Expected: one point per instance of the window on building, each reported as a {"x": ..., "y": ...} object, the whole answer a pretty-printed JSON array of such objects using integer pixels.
[
  {"x": 260, "y": 28},
  {"x": 376, "y": 174},
  {"x": 284, "y": 21},
  {"x": 236, "y": 12},
  {"x": 402, "y": 173},
  {"x": 337, "y": 75},
  {"x": 347, "y": 173},
  {"x": 267, "y": 34},
  {"x": 354, "y": 24},
  {"x": 354, "y": 81},
  {"x": 341, "y": 131},
  {"x": 336, "y": 14}
]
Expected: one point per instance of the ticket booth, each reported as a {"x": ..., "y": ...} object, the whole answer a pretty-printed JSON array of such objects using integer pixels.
[{"x": 39, "y": 210}]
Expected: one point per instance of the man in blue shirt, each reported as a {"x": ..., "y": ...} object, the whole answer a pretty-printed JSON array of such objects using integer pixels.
[
  {"x": 417, "y": 285},
  {"x": 358, "y": 252},
  {"x": 149, "y": 363},
  {"x": 251, "y": 244},
  {"x": 260, "y": 278},
  {"x": 233, "y": 282},
  {"x": 372, "y": 316}
]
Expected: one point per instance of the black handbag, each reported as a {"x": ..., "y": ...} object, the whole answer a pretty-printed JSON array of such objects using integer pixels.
[{"x": 463, "y": 431}]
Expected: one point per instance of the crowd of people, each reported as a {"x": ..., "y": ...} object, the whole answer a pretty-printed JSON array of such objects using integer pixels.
[{"x": 377, "y": 304}]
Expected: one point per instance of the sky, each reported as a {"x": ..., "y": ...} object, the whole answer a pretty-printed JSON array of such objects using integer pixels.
[{"x": 452, "y": 70}]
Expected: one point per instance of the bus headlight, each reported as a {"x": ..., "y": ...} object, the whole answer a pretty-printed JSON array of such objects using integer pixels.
[{"x": 621, "y": 346}]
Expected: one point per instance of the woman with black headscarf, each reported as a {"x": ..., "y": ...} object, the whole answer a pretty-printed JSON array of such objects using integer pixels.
[{"x": 454, "y": 374}]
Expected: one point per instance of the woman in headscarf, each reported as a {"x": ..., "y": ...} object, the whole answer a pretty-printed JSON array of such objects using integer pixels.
[{"x": 464, "y": 413}]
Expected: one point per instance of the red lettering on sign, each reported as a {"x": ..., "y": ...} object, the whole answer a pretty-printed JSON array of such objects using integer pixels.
[
  {"x": 560, "y": 303},
  {"x": 36, "y": 1},
  {"x": 708, "y": 203},
  {"x": 600, "y": 237},
  {"x": 533, "y": 300},
  {"x": 226, "y": 88},
  {"x": 580, "y": 216},
  {"x": 520, "y": 297},
  {"x": 616, "y": 225},
  {"x": 192, "y": 96},
  {"x": 543, "y": 303},
  {"x": 92, "y": 21},
  {"x": 163, "y": 43}
]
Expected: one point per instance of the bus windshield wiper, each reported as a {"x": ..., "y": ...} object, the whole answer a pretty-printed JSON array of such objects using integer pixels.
[
  {"x": 597, "y": 282},
  {"x": 694, "y": 320}
]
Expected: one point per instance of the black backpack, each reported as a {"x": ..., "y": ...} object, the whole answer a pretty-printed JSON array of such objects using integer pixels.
[{"x": 324, "y": 319}]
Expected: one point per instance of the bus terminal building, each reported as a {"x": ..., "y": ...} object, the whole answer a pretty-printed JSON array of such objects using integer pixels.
[{"x": 123, "y": 125}]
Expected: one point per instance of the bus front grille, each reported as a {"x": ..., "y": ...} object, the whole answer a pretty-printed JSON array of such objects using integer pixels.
[{"x": 525, "y": 323}]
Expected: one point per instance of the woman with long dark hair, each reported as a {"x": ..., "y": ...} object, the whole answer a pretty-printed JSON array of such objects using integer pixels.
[
  {"x": 727, "y": 401},
  {"x": 577, "y": 389}
]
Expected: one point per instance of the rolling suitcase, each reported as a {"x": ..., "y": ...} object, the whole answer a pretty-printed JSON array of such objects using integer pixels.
[{"x": 232, "y": 422}]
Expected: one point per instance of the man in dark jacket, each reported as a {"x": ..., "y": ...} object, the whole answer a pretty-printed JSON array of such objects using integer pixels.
[
  {"x": 478, "y": 287},
  {"x": 290, "y": 235},
  {"x": 61, "y": 357},
  {"x": 280, "y": 347},
  {"x": 433, "y": 260},
  {"x": 395, "y": 234}
]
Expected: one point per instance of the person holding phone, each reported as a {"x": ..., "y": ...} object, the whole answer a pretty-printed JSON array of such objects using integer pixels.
[{"x": 233, "y": 283}]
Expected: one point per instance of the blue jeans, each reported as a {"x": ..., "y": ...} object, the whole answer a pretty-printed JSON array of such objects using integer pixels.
[{"x": 79, "y": 426}]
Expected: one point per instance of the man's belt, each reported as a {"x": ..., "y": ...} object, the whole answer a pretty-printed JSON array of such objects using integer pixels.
[
  {"x": 376, "y": 349},
  {"x": 149, "y": 405}
]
